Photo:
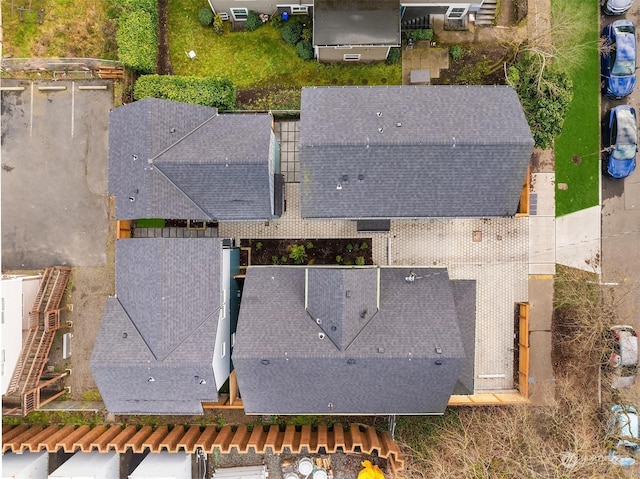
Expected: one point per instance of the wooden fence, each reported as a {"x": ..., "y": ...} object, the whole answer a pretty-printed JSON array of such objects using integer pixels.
[{"x": 354, "y": 438}]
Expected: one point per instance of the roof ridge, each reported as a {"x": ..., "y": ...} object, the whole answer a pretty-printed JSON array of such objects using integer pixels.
[
  {"x": 157, "y": 168},
  {"x": 190, "y": 334},
  {"x": 133, "y": 323},
  {"x": 179, "y": 140}
]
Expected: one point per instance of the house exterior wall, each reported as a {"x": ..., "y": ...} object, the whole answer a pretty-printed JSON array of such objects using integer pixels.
[
  {"x": 89, "y": 465},
  {"x": 273, "y": 164},
  {"x": 28, "y": 465},
  {"x": 222, "y": 348},
  {"x": 164, "y": 464},
  {"x": 366, "y": 54},
  {"x": 18, "y": 294}
]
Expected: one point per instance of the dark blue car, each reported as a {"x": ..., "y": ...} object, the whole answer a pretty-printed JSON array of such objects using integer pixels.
[
  {"x": 619, "y": 58},
  {"x": 623, "y": 141}
]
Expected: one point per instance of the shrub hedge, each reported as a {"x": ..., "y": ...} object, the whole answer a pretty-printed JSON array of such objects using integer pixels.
[
  {"x": 137, "y": 35},
  {"x": 219, "y": 93},
  {"x": 304, "y": 50},
  {"x": 137, "y": 39}
]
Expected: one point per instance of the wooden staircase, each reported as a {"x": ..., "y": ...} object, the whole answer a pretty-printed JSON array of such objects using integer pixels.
[{"x": 44, "y": 321}]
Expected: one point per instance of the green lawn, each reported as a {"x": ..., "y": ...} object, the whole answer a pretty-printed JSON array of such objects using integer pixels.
[
  {"x": 259, "y": 59},
  {"x": 69, "y": 28},
  {"x": 577, "y": 149}
]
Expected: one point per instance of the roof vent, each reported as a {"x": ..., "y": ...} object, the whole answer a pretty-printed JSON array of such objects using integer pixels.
[
  {"x": 438, "y": 362},
  {"x": 380, "y": 350},
  {"x": 150, "y": 380},
  {"x": 399, "y": 124},
  {"x": 134, "y": 157},
  {"x": 321, "y": 335},
  {"x": 334, "y": 328},
  {"x": 172, "y": 130},
  {"x": 345, "y": 178},
  {"x": 202, "y": 381},
  {"x": 380, "y": 130},
  {"x": 124, "y": 335},
  {"x": 351, "y": 361},
  {"x": 318, "y": 321},
  {"x": 347, "y": 293},
  {"x": 438, "y": 350},
  {"x": 378, "y": 114},
  {"x": 330, "y": 407},
  {"x": 132, "y": 198},
  {"x": 265, "y": 362},
  {"x": 454, "y": 142},
  {"x": 363, "y": 313},
  {"x": 360, "y": 178},
  {"x": 339, "y": 187}
]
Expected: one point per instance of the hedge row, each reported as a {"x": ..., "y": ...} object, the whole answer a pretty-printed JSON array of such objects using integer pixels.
[
  {"x": 199, "y": 91},
  {"x": 137, "y": 35}
]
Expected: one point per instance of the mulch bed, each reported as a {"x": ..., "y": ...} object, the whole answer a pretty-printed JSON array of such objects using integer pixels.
[
  {"x": 481, "y": 64},
  {"x": 343, "y": 251},
  {"x": 163, "y": 62}
]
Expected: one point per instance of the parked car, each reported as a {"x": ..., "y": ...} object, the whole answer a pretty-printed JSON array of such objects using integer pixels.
[
  {"x": 622, "y": 355},
  {"x": 616, "y": 7},
  {"x": 623, "y": 142},
  {"x": 623, "y": 429},
  {"x": 618, "y": 60}
]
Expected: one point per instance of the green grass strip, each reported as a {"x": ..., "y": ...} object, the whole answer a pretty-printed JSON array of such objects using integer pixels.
[
  {"x": 577, "y": 148},
  {"x": 150, "y": 223}
]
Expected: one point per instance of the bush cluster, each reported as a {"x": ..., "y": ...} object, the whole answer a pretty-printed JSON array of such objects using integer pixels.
[
  {"x": 394, "y": 56},
  {"x": 219, "y": 93},
  {"x": 205, "y": 15},
  {"x": 137, "y": 35},
  {"x": 456, "y": 52},
  {"x": 291, "y": 33},
  {"x": 253, "y": 21},
  {"x": 304, "y": 50},
  {"x": 425, "y": 34}
]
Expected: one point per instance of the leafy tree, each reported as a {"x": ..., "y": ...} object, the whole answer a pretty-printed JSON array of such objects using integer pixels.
[
  {"x": 138, "y": 41},
  {"x": 545, "y": 94},
  {"x": 304, "y": 50},
  {"x": 291, "y": 33},
  {"x": 205, "y": 15},
  {"x": 199, "y": 91}
]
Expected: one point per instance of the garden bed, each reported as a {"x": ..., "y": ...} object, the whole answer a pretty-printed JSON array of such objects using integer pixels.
[{"x": 338, "y": 251}]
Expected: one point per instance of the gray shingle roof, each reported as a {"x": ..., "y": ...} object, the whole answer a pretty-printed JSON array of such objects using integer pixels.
[
  {"x": 348, "y": 22},
  {"x": 161, "y": 325},
  {"x": 284, "y": 367},
  {"x": 342, "y": 301},
  {"x": 429, "y": 151},
  {"x": 187, "y": 162}
]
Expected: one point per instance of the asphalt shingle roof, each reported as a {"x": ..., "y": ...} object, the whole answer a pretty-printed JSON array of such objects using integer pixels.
[
  {"x": 162, "y": 325},
  {"x": 348, "y": 22},
  {"x": 428, "y": 151},
  {"x": 173, "y": 160},
  {"x": 284, "y": 366}
]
